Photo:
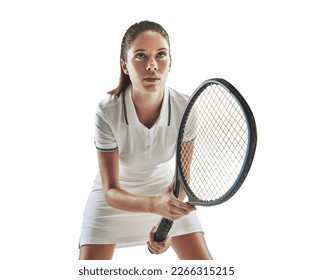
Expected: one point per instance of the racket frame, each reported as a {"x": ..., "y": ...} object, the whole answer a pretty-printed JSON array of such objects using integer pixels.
[
  {"x": 252, "y": 141},
  {"x": 166, "y": 224}
]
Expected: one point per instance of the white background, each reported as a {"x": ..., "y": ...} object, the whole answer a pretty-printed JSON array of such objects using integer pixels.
[{"x": 57, "y": 60}]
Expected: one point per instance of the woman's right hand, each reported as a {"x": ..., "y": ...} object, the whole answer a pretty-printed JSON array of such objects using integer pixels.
[{"x": 170, "y": 207}]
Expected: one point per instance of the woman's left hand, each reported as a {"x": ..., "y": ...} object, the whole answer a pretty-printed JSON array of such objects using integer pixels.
[{"x": 158, "y": 247}]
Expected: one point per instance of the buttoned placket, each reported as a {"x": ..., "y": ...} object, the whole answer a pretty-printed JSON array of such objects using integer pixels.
[
  {"x": 132, "y": 119},
  {"x": 147, "y": 142}
]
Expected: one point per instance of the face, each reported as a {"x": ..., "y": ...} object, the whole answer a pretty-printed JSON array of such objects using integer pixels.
[{"x": 148, "y": 62}]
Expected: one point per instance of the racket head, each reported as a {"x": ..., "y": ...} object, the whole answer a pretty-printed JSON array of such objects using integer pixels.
[{"x": 216, "y": 144}]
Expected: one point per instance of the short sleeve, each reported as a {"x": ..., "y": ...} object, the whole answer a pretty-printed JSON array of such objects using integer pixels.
[{"x": 104, "y": 138}]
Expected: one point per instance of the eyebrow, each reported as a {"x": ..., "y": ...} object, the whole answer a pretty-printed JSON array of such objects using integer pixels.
[{"x": 142, "y": 50}]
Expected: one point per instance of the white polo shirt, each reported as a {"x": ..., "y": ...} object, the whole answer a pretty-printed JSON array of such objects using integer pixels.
[{"x": 118, "y": 128}]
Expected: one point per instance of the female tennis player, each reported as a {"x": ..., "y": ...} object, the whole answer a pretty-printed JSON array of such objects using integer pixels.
[{"x": 136, "y": 129}]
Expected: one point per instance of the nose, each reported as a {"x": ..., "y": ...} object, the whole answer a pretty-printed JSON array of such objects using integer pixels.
[{"x": 151, "y": 65}]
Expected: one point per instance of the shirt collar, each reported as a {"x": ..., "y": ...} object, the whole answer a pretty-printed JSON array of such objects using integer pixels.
[{"x": 130, "y": 111}]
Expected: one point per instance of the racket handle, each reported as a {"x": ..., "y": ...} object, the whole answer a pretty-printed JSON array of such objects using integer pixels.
[{"x": 163, "y": 229}]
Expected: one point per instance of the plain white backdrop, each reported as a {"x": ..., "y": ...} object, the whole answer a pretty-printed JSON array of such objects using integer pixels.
[{"x": 58, "y": 59}]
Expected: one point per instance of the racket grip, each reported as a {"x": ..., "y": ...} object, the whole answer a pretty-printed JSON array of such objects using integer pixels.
[{"x": 163, "y": 229}]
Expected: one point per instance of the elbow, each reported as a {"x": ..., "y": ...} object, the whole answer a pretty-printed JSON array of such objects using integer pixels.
[{"x": 110, "y": 197}]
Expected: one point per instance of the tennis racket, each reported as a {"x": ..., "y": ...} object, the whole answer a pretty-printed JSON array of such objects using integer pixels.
[{"x": 215, "y": 147}]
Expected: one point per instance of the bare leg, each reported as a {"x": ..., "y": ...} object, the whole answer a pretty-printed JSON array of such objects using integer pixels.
[
  {"x": 97, "y": 252},
  {"x": 191, "y": 247}
]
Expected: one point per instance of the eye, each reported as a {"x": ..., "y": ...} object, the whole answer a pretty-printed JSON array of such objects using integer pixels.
[
  {"x": 140, "y": 56},
  {"x": 161, "y": 54}
]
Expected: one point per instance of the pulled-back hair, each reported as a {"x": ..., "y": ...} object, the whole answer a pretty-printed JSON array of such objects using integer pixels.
[{"x": 130, "y": 35}]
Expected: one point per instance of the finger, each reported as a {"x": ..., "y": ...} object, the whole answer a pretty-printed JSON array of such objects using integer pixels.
[
  {"x": 153, "y": 249},
  {"x": 150, "y": 250},
  {"x": 158, "y": 246},
  {"x": 161, "y": 245},
  {"x": 167, "y": 240},
  {"x": 177, "y": 210},
  {"x": 151, "y": 234},
  {"x": 182, "y": 205}
]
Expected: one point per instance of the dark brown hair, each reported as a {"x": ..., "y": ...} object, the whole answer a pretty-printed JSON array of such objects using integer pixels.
[{"x": 130, "y": 35}]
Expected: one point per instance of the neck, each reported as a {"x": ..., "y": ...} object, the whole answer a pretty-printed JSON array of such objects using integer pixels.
[
  {"x": 147, "y": 100},
  {"x": 148, "y": 106}
]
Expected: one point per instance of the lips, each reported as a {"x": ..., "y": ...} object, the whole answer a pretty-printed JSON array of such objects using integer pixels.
[{"x": 151, "y": 79}]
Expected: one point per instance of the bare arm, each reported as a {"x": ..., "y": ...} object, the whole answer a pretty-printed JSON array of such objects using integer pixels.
[{"x": 164, "y": 204}]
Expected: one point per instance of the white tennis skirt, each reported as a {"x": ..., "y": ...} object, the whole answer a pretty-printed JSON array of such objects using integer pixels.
[{"x": 103, "y": 224}]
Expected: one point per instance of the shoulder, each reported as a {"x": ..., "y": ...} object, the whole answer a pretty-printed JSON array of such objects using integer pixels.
[
  {"x": 178, "y": 104},
  {"x": 180, "y": 97},
  {"x": 109, "y": 105},
  {"x": 108, "y": 102},
  {"x": 110, "y": 111},
  {"x": 177, "y": 98}
]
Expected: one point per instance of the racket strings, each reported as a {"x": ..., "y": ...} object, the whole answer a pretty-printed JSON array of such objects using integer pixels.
[{"x": 215, "y": 143}]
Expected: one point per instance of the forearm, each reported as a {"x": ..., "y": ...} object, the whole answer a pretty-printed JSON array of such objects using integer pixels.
[
  {"x": 164, "y": 204},
  {"x": 113, "y": 193},
  {"x": 123, "y": 200}
]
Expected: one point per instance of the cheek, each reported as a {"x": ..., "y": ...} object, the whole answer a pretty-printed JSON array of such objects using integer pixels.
[
  {"x": 136, "y": 67},
  {"x": 164, "y": 66}
]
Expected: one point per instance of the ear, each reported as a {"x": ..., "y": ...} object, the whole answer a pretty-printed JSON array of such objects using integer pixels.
[
  {"x": 169, "y": 68},
  {"x": 124, "y": 67}
]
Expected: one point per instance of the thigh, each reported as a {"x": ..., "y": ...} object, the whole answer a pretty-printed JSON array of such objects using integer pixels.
[
  {"x": 191, "y": 247},
  {"x": 96, "y": 252}
]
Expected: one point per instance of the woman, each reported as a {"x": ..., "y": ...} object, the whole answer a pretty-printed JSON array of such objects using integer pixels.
[{"x": 136, "y": 130}]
